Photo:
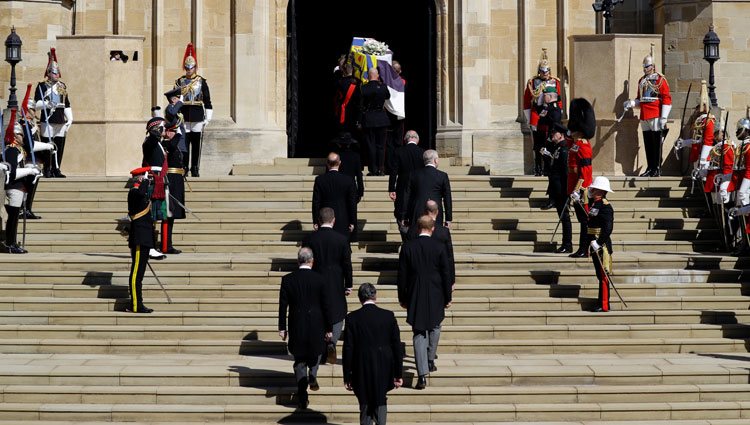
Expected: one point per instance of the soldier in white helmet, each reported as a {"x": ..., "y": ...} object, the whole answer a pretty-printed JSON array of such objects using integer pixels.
[
  {"x": 600, "y": 224},
  {"x": 655, "y": 101},
  {"x": 51, "y": 97}
]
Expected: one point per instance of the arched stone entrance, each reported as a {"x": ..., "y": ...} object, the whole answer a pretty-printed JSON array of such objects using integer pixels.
[{"x": 411, "y": 30}]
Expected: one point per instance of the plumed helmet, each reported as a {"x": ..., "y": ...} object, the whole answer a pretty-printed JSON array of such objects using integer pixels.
[
  {"x": 649, "y": 59},
  {"x": 581, "y": 118},
  {"x": 700, "y": 122},
  {"x": 52, "y": 65},
  {"x": 13, "y": 128},
  {"x": 28, "y": 102},
  {"x": 743, "y": 126},
  {"x": 190, "y": 60},
  {"x": 543, "y": 62},
  {"x": 704, "y": 104}
]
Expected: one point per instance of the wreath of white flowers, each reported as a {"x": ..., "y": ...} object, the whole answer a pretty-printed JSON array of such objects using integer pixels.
[{"x": 374, "y": 47}]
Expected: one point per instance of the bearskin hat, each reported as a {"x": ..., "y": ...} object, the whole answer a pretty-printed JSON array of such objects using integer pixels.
[{"x": 581, "y": 118}]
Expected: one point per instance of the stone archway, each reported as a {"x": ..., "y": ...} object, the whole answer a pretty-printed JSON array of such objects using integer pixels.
[{"x": 418, "y": 44}]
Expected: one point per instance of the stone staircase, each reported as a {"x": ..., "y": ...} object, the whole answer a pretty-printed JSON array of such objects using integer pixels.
[{"x": 517, "y": 345}]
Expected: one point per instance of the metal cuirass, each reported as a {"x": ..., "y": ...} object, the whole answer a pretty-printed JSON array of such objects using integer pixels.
[{"x": 192, "y": 90}]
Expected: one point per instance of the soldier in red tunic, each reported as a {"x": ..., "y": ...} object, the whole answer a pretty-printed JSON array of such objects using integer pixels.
[
  {"x": 582, "y": 126},
  {"x": 542, "y": 106},
  {"x": 742, "y": 184},
  {"x": 655, "y": 102}
]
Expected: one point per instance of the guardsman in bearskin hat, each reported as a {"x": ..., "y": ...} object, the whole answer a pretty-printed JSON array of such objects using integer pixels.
[
  {"x": 52, "y": 99},
  {"x": 542, "y": 106},
  {"x": 171, "y": 142},
  {"x": 196, "y": 109},
  {"x": 21, "y": 176},
  {"x": 655, "y": 102},
  {"x": 582, "y": 127},
  {"x": 600, "y": 224},
  {"x": 140, "y": 236},
  {"x": 154, "y": 155}
]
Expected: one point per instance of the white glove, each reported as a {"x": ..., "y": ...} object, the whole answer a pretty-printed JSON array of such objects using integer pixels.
[
  {"x": 545, "y": 152},
  {"x": 662, "y": 123},
  {"x": 703, "y": 165},
  {"x": 26, "y": 171},
  {"x": 733, "y": 212},
  {"x": 705, "y": 151},
  {"x": 679, "y": 143},
  {"x": 68, "y": 119},
  {"x": 533, "y": 127},
  {"x": 595, "y": 246},
  {"x": 575, "y": 196},
  {"x": 722, "y": 178},
  {"x": 4, "y": 166},
  {"x": 629, "y": 104},
  {"x": 209, "y": 116},
  {"x": 527, "y": 115}
]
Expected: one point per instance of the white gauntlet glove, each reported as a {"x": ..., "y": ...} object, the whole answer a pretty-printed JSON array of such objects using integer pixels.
[
  {"x": 68, "y": 119},
  {"x": 595, "y": 245},
  {"x": 208, "y": 117},
  {"x": 629, "y": 104},
  {"x": 575, "y": 196}
]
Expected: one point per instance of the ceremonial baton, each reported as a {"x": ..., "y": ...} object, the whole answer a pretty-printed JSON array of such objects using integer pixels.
[
  {"x": 609, "y": 278},
  {"x": 169, "y": 300}
]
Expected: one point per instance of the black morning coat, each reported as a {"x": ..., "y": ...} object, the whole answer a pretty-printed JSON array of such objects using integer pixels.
[
  {"x": 336, "y": 190},
  {"x": 372, "y": 353},
  {"x": 351, "y": 165},
  {"x": 407, "y": 159},
  {"x": 333, "y": 260},
  {"x": 601, "y": 216},
  {"x": 141, "y": 229},
  {"x": 442, "y": 234},
  {"x": 428, "y": 183},
  {"x": 424, "y": 282},
  {"x": 303, "y": 292},
  {"x": 374, "y": 95},
  {"x": 558, "y": 173}
]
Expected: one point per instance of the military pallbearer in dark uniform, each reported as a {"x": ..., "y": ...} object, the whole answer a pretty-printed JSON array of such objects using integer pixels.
[
  {"x": 140, "y": 237},
  {"x": 52, "y": 99},
  {"x": 197, "y": 109},
  {"x": 175, "y": 176},
  {"x": 558, "y": 184},
  {"x": 600, "y": 224}
]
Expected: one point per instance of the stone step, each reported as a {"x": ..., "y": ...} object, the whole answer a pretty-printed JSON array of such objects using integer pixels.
[
  {"x": 294, "y": 215},
  {"x": 213, "y": 395},
  {"x": 317, "y": 421},
  {"x": 337, "y": 412},
  {"x": 537, "y": 262},
  {"x": 452, "y": 317},
  {"x": 228, "y": 236},
  {"x": 312, "y": 167},
  {"x": 515, "y": 303},
  {"x": 454, "y": 370},
  {"x": 373, "y": 224},
  {"x": 290, "y": 248},
  {"x": 153, "y": 331}
]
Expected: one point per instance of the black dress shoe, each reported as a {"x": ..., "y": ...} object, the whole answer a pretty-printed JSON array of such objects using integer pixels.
[
  {"x": 656, "y": 172},
  {"x": 648, "y": 173},
  {"x": 194, "y": 172},
  {"x": 56, "y": 173},
  {"x": 143, "y": 309},
  {"x": 303, "y": 403},
  {"x": 30, "y": 215},
  {"x": 313, "y": 382},
  {"x": 564, "y": 250},
  {"x": 15, "y": 249},
  {"x": 431, "y": 366},
  {"x": 549, "y": 206},
  {"x": 421, "y": 383},
  {"x": 578, "y": 254},
  {"x": 173, "y": 250}
]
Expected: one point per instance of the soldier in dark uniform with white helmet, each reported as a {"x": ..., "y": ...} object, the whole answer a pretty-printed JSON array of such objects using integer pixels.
[{"x": 197, "y": 109}]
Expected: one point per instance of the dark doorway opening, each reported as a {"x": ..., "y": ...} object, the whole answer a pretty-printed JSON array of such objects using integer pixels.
[{"x": 319, "y": 35}]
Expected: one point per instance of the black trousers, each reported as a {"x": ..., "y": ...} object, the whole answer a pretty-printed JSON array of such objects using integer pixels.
[
  {"x": 139, "y": 261},
  {"x": 395, "y": 139},
  {"x": 192, "y": 142},
  {"x": 369, "y": 414},
  {"x": 583, "y": 219},
  {"x": 11, "y": 226},
  {"x": 652, "y": 145},
  {"x": 564, "y": 214},
  {"x": 60, "y": 143},
  {"x": 375, "y": 140},
  {"x": 540, "y": 161}
]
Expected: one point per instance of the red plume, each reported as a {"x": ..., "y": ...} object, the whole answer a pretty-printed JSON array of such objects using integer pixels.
[
  {"x": 25, "y": 105},
  {"x": 190, "y": 52},
  {"x": 9, "y": 136},
  {"x": 52, "y": 57}
]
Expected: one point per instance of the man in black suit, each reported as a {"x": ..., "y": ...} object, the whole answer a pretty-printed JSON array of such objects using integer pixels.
[
  {"x": 441, "y": 233},
  {"x": 428, "y": 183},
  {"x": 351, "y": 164},
  {"x": 337, "y": 191},
  {"x": 333, "y": 260},
  {"x": 304, "y": 293},
  {"x": 375, "y": 120},
  {"x": 373, "y": 364},
  {"x": 424, "y": 290},
  {"x": 407, "y": 159}
]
